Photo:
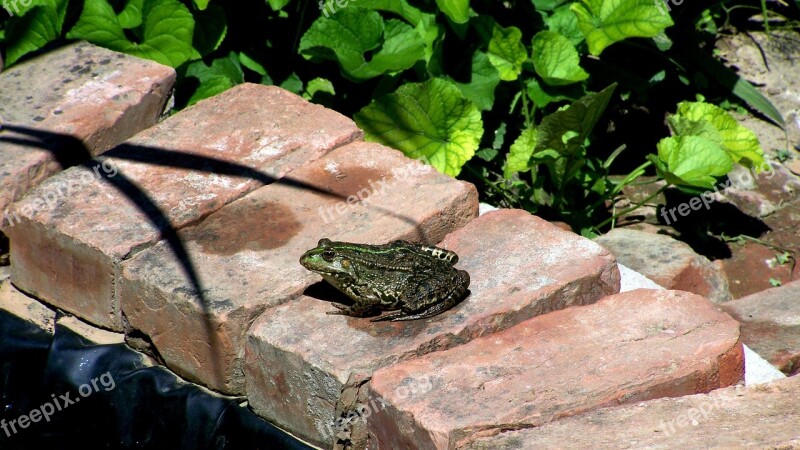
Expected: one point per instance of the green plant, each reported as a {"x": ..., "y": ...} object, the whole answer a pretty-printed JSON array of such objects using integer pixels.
[{"x": 508, "y": 95}]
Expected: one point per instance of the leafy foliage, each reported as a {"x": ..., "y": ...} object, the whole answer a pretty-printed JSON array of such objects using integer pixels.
[{"x": 526, "y": 98}]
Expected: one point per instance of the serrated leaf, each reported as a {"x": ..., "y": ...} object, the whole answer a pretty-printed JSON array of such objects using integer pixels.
[
  {"x": 564, "y": 22},
  {"x": 167, "y": 37},
  {"x": 506, "y": 52},
  {"x": 519, "y": 154},
  {"x": 692, "y": 161},
  {"x": 714, "y": 123},
  {"x": 221, "y": 75},
  {"x": 430, "y": 119},
  {"x": 348, "y": 35},
  {"x": 40, "y": 24},
  {"x": 604, "y": 22},
  {"x": 131, "y": 15},
  {"x": 484, "y": 80},
  {"x": 399, "y": 7},
  {"x": 556, "y": 60},
  {"x": 456, "y": 10},
  {"x": 569, "y": 127}
]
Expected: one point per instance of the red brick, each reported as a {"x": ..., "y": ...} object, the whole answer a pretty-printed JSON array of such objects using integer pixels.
[
  {"x": 68, "y": 250},
  {"x": 247, "y": 254},
  {"x": 300, "y": 362},
  {"x": 763, "y": 416},
  {"x": 629, "y": 347},
  {"x": 771, "y": 324},
  {"x": 92, "y": 94},
  {"x": 667, "y": 261}
]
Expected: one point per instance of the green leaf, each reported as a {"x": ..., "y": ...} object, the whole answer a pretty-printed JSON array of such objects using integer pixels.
[
  {"x": 506, "y": 52},
  {"x": 348, "y": 35},
  {"x": 480, "y": 89},
  {"x": 543, "y": 95},
  {"x": 293, "y": 83},
  {"x": 564, "y": 22},
  {"x": 223, "y": 74},
  {"x": 565, "y": 129},
  {"x": 40, "y": 24},
  {"x": 277, "y": 5},
  {"x": 547, "y": 5},
  {"x": 604, "y": 22},
  {"x": 318, "y": 85},
  {"x": 168, "y": 27},
  {"x": 201, "y": 4},
  {"x": 692, "y": 161},
  {"x": 556, "y": 60},
  {"x": 519, "y": 154},
  {"x": 131, "y": 15},
  {"x": 252, "y": 64},
  {"x": 210, "y": 29},
  {"x": 399, "y": 7},
  {"x": 431, "y": 119},
  {"x": 714, "y": 123},
  {"x": 456, "y": 10}
]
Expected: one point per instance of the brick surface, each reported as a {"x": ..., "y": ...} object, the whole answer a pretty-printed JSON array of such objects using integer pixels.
[
  {"x": 667, "y": 261},
  {"x": 771, "y": 324},
  {"x": 76, "y": 228},
  {"x": 629, "y": 347},
  {"x": 97, "y": 96},
  {"x": 247, "y": 254},
  {"x": 304, "y": 367},
  {"x": 764, "y": 416}
]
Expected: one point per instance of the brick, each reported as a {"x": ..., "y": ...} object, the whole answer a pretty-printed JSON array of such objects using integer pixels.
[
  {"x": 14, "y": 302},
  {"x": 77, "y": 227},
  {"x": 771, "y": 324},
  {"x": 764, "y": 416},
  {"x": 302, "y": 365},
  {"x": 667, "y": 261},
  {"x": 628, "y": 347},
  {"x": 247, "y": 254},
  {"x": 96, "y": 96}
]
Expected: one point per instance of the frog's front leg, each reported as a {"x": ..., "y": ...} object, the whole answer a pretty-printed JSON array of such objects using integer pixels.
[{"x": 356, "y": 310}]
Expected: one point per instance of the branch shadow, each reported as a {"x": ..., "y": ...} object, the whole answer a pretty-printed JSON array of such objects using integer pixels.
[{"x": 69, "y": 151}]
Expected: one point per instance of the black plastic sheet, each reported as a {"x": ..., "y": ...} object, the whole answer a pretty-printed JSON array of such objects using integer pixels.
[{"x": 103, "y": 396}]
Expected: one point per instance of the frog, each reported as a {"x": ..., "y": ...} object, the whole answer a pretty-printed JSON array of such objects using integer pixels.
[{"x": 408, "y": 280}]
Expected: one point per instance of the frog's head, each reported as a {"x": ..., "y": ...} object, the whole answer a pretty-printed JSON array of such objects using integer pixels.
[{"x": 329, "y": 259}]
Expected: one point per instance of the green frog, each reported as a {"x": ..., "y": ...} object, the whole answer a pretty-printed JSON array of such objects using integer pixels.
[{"x": 412, "y": 280}]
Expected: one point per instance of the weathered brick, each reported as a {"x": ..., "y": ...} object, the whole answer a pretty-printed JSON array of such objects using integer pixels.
[
  {"x": 628, "y": 347},
  {"x": 302, "y": 365},
  {"x": 94, "y": 95},
  {"x": 78, "y": 226},
  {"x": 667, "y": 261},
  {"x": 764, "y": 416},
  {"x": 771, "y": 324},
  {"x": 246, "y": 255}
]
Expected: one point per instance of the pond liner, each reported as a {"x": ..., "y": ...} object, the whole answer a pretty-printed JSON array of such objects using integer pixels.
[{"x": 63, "y": 391}]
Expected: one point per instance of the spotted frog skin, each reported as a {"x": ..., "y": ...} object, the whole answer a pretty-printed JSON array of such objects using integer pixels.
[{"x": 414, "y": 281}]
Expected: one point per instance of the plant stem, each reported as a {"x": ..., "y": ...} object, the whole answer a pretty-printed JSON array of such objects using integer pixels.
[{"x": 632, "y": 208}]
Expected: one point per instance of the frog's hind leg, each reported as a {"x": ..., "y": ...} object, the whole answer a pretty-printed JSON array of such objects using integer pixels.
[
  {"x": 436, "y": 308},
  {"x": 356, "y": 310}
]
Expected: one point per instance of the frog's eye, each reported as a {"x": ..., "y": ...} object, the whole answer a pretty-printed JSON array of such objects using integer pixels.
[{"x": 328, "y": 254}]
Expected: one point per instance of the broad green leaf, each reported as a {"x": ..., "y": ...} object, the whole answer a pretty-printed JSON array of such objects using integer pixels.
[
  {"x": 430, "y": 119},
  {"x": 547, "y": 5},
  {"x": 167, "y": 38},
  {"x": 480, "y": 89},
  {"x": 506, "y": 52},
  {"x": 456, "y": 10},
  {"x": 604, "y": 22},
  {"x": 223, "y": 74},
  {"x": 543, "y": 95},
  {"x": 348, "y": 35},
  {"x": 40, "y": 24},
  {"x": 131, "y": 15},
  {"x": 564, "y": 21},
  {"x": 741, "y": 143},
  {"x": 399, "y": 7},
  {"x": 277, "y": 5},
  {"x": 318, "y": 85},
  {"x": 211, "y": 26},
  {"x": 566, "y": 129},
  {"x": 293, "y": 83},
  {"x": 691, "y": 161},
  {"x": 556, "y": 60},
  {"x": 252, "y": 64},
  {"x": 520, "y": 153}
]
